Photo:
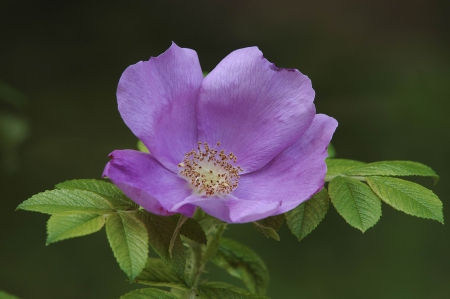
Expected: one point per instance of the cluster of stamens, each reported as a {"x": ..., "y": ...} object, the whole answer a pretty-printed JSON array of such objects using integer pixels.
[{"x": 209, "y": 171}]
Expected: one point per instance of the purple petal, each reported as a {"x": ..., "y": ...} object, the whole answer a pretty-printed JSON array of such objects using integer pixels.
[
  {"x": 143, "y": 179},
  {"x": 231, "y": 209},
  {"x": 156, "y": 100},
  {"x": 253, "y": 108},
  {"x": 295, "y": 174}
]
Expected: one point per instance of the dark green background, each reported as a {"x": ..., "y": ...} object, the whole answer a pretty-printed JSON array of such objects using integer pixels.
[{"x": 381, "y": 68}]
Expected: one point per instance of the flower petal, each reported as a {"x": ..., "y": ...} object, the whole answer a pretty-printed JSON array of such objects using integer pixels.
[
  {"x": 253, "y": 108},
  {"x": 143, "y": 179},
  {"x": 156, "y": 100},
  {"x": 231, "y": 209},
  {"x": 294, "y": 175}
]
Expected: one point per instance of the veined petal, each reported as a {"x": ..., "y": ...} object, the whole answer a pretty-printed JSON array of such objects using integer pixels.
[
  {"x": 255, "y": 109},
  {"x": 294, "y": 175},
  {"x": 157, "y": 99},
  {"x": 230, "y": 209},
  {"x": 143, "y": 179}
]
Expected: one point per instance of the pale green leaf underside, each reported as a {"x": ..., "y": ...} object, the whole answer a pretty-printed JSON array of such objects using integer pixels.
[
  {"x": 355, "y": 202},
  {"x": 58, "y": 201},
  {"x": 338, "y": 166},
  {"x": 102, "y": 188},
  {"x": 304, "y": 219},
  {"x": 128, "y": 238},
  {"x": 242, "y": 262},
  {"x": 393, "y": 168},
  {"x": 407, "y": 197},
  {"x": 148, "y": 294},
  {"x": 157, "y": 273},
  {"x": 220, "y": 290},
  {"x": 68, "y": 225}
]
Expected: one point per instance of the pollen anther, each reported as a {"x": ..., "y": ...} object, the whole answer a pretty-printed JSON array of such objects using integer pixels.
[{"x": 210, "y": 172}]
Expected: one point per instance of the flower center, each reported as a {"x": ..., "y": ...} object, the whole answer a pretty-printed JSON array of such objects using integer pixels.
[{"x": 210, "y": 172}]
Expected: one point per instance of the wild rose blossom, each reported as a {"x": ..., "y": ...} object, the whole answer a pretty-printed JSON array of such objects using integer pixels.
[{"x": 243, "y": 143}]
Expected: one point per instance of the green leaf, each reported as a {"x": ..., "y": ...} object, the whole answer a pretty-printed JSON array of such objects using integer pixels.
[
  {"x": 102, "y": 188},
  {"x": 407, "y": 197},
  {"x": 4, "y": 295},
  {"x": 338, "y": 166},
  {"x": 141, "y": 147},
  {"x": 355, "y": 201},
  {"x": 242, "y": 262},
  {"x": 306, "y": 217},
  {"x": 266, "y": 231},
  {"x": 331, "y": 151},
  {"x": 157, "y": 273},
  {"x": 148, "y": 294},
  {"x": 57, "y": 201},
  {"x": 269, "y": 226},
  {"x": 160, "y": 232},
  {"x": 68, "y": 225},
  {"x": 192, "y": 230},
  {"x": 214, "y": 229},
  {"x": 128, "y": 238},
  {"x": 393, "y": 168},
  {"x": 220, "y": 290}
]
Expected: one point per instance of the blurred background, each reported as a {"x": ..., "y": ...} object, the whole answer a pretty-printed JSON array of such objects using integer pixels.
[{"x": 381, "y": 68}]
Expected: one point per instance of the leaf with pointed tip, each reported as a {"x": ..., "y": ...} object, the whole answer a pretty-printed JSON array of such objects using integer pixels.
[
  {"x": 157, "y": 273},
  {"x": 148, "y": 294},
  {"x": 338, "y": 166},
  {"x": 266, "y": 231},
  {"x": 220, "y": 290},
  {"x": 102, "y": 188},
  {"x": 393, "y": 168},
  {"x": 306, "y": 217},
  {"x": 242, "y": 262},
  {"x": 269, "y": 226},
  {"x": 58, "y": 201},
  {"x": 160, "y": 232},
  {"x": 355, "y": 202},
  {"x": 128, "y": 238},
  {"x": 407, "y": 197},
  {"x": 69, "y": 225}
]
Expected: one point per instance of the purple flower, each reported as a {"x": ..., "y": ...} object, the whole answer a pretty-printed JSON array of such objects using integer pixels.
[{"x": 243, "y": 143}]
